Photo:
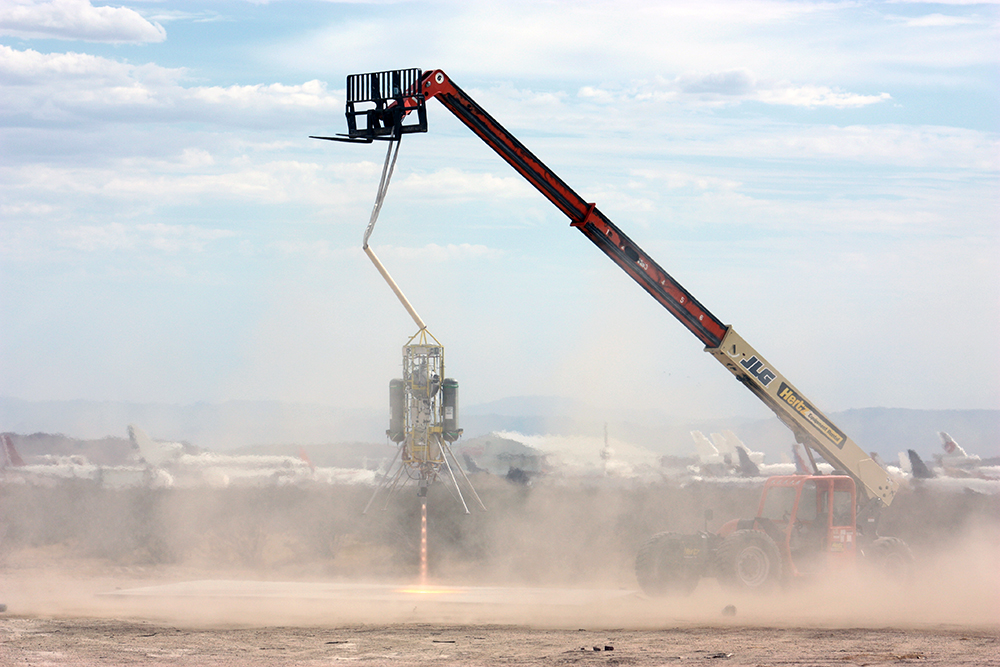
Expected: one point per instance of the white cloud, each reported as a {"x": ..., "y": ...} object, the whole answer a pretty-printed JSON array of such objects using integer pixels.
[
  {"x": 135, "y": 187},
  {"x": 311, "y": 94},
  {"x": 76, "y": 20},
  {"x": 944, "y": 2},
  {"x": 323, "y": 249},
  {"x": 920, "y": 146},
  {"x": 676, "y": 180},
  {"x": 598, "y": 95},
  {"x": 731, "y": 82},
  {"x": 455, "y": 184},
  {"x": 320, "y": 249},
  {"x": 33, "y": 209},
  {"x": 937, "y": 21},
  {"x": 939, "y": 148},
  {"x": 732, "y": 87},
  {"x": 433, "y": 252},
  {"x": 32, "y": 67},
  {"x": 552, "y": 40},
  {"x": 71, "y": 86},
  {"x": 839, "y": 45},
  {"x": 816, "y": 96},
  {"x": 164, "y": 14},
  {"x": 156, "y": 236}
]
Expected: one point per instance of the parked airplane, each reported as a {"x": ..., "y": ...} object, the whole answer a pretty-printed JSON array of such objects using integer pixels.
[
  {"x": 953, "y": 469},
  {"x": 183, "y": 468},
  {"x": 500, "y": 452},
  {"x": 725, "y": 455},
  {"x": 48, "y": 469},
  {"x": 955, "y": 461},
  {"x": 173, "y": 464}
]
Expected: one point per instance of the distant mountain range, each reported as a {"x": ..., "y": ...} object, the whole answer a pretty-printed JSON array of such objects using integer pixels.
[{"x": 239, "y": 424}]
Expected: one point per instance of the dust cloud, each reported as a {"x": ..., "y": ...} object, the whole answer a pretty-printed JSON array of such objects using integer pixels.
[{"x": 552, "y": 553}]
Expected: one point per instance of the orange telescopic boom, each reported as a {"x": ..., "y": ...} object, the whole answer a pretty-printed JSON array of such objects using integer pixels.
[
  {"x": 386, "y": 105},
  {"x": 583, "y": 215}
]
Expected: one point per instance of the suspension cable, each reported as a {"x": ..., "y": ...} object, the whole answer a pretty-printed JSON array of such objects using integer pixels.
[{"x": 383, "y": 186}]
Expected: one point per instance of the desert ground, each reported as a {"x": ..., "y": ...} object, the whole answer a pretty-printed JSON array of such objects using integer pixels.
[{"x": 297, "y": 576}]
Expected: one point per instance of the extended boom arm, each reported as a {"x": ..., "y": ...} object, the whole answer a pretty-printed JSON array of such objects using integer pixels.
[
  {"x": 811, "y": 427},
  {"x": 584, "y": 216}
]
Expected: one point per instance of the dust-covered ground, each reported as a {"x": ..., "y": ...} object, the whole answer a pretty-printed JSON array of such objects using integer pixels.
[
  {"x": 295, "y": 575},
  {"x": 91, "y": 642}
]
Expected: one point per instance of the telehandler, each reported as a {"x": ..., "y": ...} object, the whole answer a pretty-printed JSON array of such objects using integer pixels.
[{"x": 804, "y": 523}]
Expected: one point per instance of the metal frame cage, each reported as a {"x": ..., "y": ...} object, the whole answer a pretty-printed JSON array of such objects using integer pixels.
[{"x": 388, "y": 104}]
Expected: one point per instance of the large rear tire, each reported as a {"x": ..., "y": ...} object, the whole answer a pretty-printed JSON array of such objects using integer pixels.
[
  {"x": 748, "y": 560},
  {"x": 661, "y": 568},
  {"x": 891, "y": 558}
]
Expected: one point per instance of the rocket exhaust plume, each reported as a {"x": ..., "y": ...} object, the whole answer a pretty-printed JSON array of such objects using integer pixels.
[{"x": 423, "y": 541}]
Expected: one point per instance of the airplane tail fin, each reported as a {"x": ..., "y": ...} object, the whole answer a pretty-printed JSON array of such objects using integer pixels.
[
  {"x": 918, "y": 467},
  {"x": 733, "y": 441},
  {"x": 723, "y": 444},
  {"x": 11, "y": 457},
  {"x": 707, "y": 452},
  {"x": 305, "y": 457},
  {"x": 153, "y": 453},
  {"x": 951, "y": 447},
  {"x": 747, "y": 467},
  {"x": 800, "y": 463}
]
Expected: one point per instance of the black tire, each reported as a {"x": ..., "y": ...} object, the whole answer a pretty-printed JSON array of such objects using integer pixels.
[
  {"x": 661, "y": 568},
  {"x": 748, "y": 560},
  {"x": 892, "y": 559}
]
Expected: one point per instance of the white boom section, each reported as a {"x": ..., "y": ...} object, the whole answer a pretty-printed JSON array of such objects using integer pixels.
[
  {"x": 394, "y": 287},
  {"x": 383, "y": 187},
  {"x": 810, "y": 426}
]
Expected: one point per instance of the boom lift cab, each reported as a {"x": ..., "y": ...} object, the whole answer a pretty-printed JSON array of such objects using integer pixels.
[
  {"x": 812, "y": 521},
  {"x": 804, "y": 523}
]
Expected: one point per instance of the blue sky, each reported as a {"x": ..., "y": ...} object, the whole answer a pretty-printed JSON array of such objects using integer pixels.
[{"x": 821, "y": 175}]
